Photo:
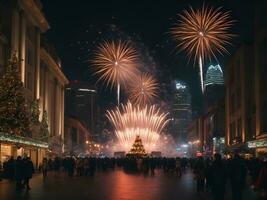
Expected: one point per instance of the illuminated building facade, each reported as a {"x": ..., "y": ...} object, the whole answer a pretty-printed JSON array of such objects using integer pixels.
[
  {"x": 214, "y": 76},
  {"x": 22, "y": 25},
  {"x": 240, "y": 98},
  {"x": 181, "y": 111},
  {"x": 260, "y": 49},
  {"x": 81, "y": 103},
  {"x": 246, "y": 94},
  {"x": 213, "y": 85}
]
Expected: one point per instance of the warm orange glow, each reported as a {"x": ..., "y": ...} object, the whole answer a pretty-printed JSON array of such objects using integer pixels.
[
  {"x": 202, "y": 33},
  {"x": 130, "y": 121},
  {"x": 115, "y": 62},
  {"x": 143, "y": 90}
]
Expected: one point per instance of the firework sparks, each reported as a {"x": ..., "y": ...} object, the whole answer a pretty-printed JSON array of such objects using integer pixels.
[
  {"x": 202, "y": 33},
  {"x": 115, "y": 62},
  {"x": 130, "y": 121},
  {"x": 143, "y": 90}
]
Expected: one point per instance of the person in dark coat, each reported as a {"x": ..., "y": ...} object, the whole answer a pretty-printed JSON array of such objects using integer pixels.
[
  {"x": 218, "y": 175},
  {"x": 19, "y": 172},
  {"x": 199, "y": 171},
  {"x": 238, "y": 174},
  {"x": 28, "y": 171}
]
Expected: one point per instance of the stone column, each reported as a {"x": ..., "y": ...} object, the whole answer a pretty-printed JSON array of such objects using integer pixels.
[
  {"x": 15, "y": 31},
  {"x": 37, "y": 64},
  {"x": 22, "y": 46},
  {"x": 257, "y": 87},
  {"x": 62, "y": 110}
]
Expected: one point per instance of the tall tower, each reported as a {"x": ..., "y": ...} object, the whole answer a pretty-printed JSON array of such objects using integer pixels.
[
  {"x": 213, "y": 85},
  {"x": 80, "y": 102},
  {"x": 214, "y": 76},
  {"x": 182, "y": 112}
]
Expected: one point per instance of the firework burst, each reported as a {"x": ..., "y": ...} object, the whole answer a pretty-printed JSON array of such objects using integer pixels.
[
  {"x": 202, "y": 33},
  {"x": 143, "y": 90},
  {"x": 130, "y": 121},
  {"x": 115, "y": 62}
]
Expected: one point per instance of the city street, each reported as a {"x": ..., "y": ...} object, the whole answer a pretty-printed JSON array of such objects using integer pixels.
[{"x": 110, "y": 185}]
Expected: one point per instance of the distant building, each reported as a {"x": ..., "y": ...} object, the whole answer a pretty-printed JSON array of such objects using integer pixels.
[
  {"x": 214, "y": 128},
  {"x": 195, "y": 136},
  {"x": 77, "y": 137},
  {"x": 206, "y": 133},
  {"x": 214, "y": 76},
  {"x": 81, "y": 103},
  {"x": 181, "y": 112},
  {"x": 214, "y": 85}
]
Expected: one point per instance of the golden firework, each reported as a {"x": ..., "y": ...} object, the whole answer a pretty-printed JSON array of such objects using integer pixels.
[
  {"x": 143, "y": 90},
  {"x": 202, "y": 33},
  {"x": 130, "y": 121},
  {"x": 115, "y": 62}
]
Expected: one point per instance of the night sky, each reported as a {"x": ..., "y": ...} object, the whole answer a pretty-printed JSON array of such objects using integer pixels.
[{"x": 77, "y": 26}]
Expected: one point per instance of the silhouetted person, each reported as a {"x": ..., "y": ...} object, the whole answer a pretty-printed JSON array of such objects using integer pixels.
[
  {"x": 45, "y": 167},
  {"x": 238, "y": 174},
  {"x": 178, "y": 168},
  {"x": 71, "y": 166},
  {"x": 261, "y": 183},
  {"x": 9, "y": 169},
  {"x": 152, "y": 164},
  {"x": 208, "y": 173},
  {"x": 218, "y": 175},
  {"x": 19, "y": 172},
  {"x": 28, "y": 171},
  {"x": 199, "y": 171}
]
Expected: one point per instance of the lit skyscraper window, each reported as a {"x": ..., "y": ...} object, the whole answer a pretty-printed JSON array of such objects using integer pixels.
[{"x": 214, "y": 76}]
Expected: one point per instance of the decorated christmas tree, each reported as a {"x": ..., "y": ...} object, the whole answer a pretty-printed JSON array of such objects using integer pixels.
[
  {"x": 14, "y": 116},
  {"x": 35, "y": 111},
  {"x": 44, "y": 127},
  {"x": 137, "y": 148}
]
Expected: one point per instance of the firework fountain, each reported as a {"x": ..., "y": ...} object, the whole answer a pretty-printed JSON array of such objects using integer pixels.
[
  {"x": 202, "y": 33},
  {"x": 131, "y": 121}
]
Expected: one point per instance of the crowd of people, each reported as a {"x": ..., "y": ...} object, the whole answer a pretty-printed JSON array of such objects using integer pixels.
[
  {"x": 210, "y": 174},
  {"x": 20, "y": 170}
]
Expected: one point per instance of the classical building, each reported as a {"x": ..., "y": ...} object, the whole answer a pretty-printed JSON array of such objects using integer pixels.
[
  {"x": 81, "y": 102},
  {"x": 22, "y": 25},
  {"x": 181, "y": 111}
]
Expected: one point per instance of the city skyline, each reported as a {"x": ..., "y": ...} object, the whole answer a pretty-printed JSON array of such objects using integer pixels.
[{"x": 114, "y": 24}]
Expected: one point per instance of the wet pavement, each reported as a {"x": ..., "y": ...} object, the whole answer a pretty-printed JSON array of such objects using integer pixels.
[{"x": 112, "y": 185}]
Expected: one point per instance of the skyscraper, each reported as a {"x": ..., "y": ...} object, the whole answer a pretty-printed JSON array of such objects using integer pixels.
[
  {"x": 214, "y": 76},
  {"x": 182, "y": 113},
  {"x": 80, "y": 100},
  {"x": 214, "y": 85}
]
